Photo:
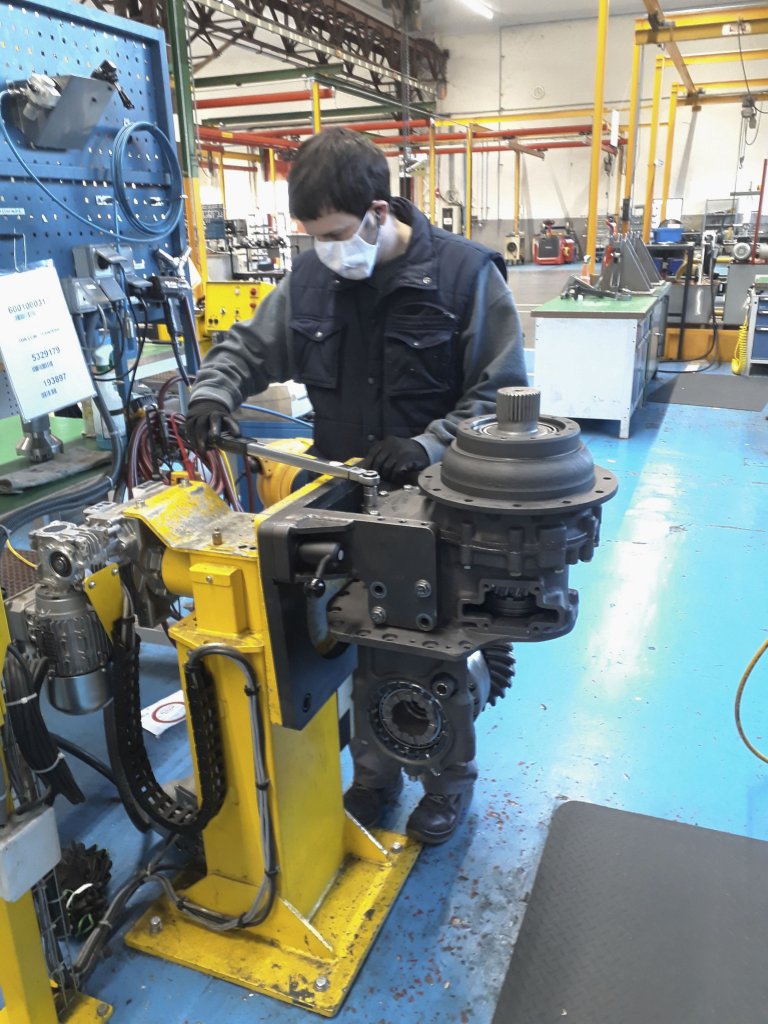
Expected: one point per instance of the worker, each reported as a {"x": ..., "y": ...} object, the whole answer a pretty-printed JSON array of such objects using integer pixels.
[{"x": 399, "y": 331}]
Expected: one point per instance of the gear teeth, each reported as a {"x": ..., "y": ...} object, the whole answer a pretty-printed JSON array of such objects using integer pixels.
[{"x": 501, "y": 666}]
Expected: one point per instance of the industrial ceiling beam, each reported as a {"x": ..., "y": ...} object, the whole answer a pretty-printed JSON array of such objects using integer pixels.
[
  {"x": 244, "y": 139},
  {"x": 303, "y": 33},
  {"x": 712, "y": 24},
  {"x": 260, "y": 99},
  {"x": 735, "y": 83},
  {"x": 330, "y": 27},
  {"x": 278, "y": 122},
  {"x": 731, "y": 97},
  {"x": 364, "y": 93},
  {"x": 722, "y": 57},
  {"x": 656, "y": 17},
  {"x": 265, "y": 77}
]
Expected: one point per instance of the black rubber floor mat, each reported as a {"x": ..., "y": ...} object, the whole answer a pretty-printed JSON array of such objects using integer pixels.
[
  {"x": 635, "y": 920},
  {"x": 714, "y": 390}
]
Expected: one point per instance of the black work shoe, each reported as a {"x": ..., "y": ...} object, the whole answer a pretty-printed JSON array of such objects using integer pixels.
[
  {"x": 437, "y": 817},
  {"x": 366, "y": 803}
]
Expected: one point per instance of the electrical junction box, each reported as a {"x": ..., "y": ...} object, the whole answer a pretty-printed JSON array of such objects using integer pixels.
[
  {"x": 29, "y": 849},
  {"x": 227, "y": 302},
  {"x": 83, "y": 294}
]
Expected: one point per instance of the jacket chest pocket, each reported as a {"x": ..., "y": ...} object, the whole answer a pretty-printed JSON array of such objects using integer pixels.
[
  {"x": 419, "y": 351},
  {"x": 317, "y": 351}
]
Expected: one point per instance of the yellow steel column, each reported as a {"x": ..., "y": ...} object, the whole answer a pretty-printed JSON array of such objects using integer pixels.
[
  {"x": 468, "y": 189},
  {"x": 517, "y": 192},
  {"x": 669, "y": 150},
  {"x": 316, "y": 118},
  {"x": 619, "y": 171},
  {"x": 24, "y": 982},
  {"x": 597, "y": 133},
  {"x": 222, "y": 185},
  {"x": 629, "y": 168},
  {"x": 23, "y": 974},
  {"x": 651, "y": 178},
  {"x": 273, "y": 180},
  {"x": 432, "y": 170}
]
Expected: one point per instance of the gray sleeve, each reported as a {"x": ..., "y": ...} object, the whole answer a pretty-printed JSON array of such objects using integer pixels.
[
  {"x": 253, "y": 354},
  {"x": 492, "y": 344}
]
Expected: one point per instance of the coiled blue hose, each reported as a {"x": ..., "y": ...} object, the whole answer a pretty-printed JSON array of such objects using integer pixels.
[
  {"x": 163, "y": 227},
  {"x": 149, "y": 231}
]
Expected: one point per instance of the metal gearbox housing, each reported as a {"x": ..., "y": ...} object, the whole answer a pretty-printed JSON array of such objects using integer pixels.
[
  {"x": 58, "y": 617},
  {"x": 420, "y": 710},
  {"x": 473, "y": 559},
  {"x": 517, "y": 500}
]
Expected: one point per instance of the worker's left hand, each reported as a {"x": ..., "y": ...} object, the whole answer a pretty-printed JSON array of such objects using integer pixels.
[{"x": 397, "y": 459}]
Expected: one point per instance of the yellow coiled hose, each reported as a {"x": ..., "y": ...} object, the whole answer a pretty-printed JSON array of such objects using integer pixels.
[{"x": 739, "y": 361}]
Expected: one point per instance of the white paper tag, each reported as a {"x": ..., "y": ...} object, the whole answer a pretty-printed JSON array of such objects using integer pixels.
[
  {"x": 39, "y": 344},
  {"x": 163, "y": 714}
]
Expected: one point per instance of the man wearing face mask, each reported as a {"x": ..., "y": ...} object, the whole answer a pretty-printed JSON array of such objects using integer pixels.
[{"x": 399, "y": 331}]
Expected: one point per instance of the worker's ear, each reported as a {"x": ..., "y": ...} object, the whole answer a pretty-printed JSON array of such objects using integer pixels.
[{"x": 380, "y": 209}]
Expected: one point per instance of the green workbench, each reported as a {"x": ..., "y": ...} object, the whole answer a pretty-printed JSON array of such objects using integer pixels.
[
  {"x": 69, "y": 431},
  {"x": 594, "y": 356},
  {"x": 636, "y": 307}
]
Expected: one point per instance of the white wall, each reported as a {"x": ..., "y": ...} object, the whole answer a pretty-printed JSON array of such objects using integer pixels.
[{"x": 552, "y": 65}]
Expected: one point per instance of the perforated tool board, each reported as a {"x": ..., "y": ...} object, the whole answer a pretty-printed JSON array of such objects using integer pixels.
[{"x": 65, "y": 38}]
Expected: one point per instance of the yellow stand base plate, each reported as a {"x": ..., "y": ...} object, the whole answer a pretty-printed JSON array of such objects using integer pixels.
[
  {"x": 85, "y": 1010},
  {"x": 343, "y": 928}
]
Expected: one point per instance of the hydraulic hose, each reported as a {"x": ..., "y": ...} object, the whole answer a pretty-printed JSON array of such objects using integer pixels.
[
  {"x": 123, "y": 196},
  {"x": 176, "y": 208}
]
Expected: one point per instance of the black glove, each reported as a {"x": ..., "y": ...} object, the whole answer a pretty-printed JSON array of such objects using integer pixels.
[
  {"x": 206, "y": 421},
  {"x": 397, "y": 459}
]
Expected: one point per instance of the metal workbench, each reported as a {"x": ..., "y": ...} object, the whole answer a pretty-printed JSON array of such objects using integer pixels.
[{"x": 594, "y": 356}]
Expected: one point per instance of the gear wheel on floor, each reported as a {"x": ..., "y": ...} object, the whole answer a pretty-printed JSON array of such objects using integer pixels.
[{"x": 83, "y": 876}]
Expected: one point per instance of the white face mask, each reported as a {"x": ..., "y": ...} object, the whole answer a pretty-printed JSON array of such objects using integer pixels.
[{"x": 353, "y": 258}]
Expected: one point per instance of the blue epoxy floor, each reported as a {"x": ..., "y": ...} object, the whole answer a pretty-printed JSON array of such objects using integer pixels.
[{"x": 634, "y": 710}]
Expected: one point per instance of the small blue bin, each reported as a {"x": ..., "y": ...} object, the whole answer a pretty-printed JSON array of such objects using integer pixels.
[{"x": 669, "y": 234}]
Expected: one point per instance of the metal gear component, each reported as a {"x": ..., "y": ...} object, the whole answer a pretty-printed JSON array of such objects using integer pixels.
[
  {"x": 422, "y": 714},
  {"x": 501, "y": 666},
  {"x": 518, "y": 459},
  {"x": 70, "y": 635},
  {"x": 517, "y": 499}
]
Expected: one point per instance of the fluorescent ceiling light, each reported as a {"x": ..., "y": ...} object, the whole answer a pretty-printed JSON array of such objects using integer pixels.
[{"x": 479, "y": 8}]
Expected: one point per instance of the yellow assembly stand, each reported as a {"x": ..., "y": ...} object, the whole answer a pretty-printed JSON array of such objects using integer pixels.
[
  {"x": 25, "y": 987},
  {"x": 336, "y": 881}
]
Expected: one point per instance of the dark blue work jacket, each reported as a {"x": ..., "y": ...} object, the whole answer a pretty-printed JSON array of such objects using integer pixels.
[{"x": 382, "y": 357}]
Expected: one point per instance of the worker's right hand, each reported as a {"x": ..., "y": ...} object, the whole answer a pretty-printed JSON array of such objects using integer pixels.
[{"x": 205, "y": 423}]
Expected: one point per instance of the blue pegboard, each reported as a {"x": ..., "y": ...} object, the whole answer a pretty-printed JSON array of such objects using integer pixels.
[{"x": 70, "y": 39}]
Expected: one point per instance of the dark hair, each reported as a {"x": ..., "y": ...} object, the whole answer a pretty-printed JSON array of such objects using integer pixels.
[{"x": 337, "y": 170}]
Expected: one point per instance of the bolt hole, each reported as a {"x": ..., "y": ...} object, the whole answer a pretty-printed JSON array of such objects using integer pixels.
[{"x": 306, "y": 704}]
